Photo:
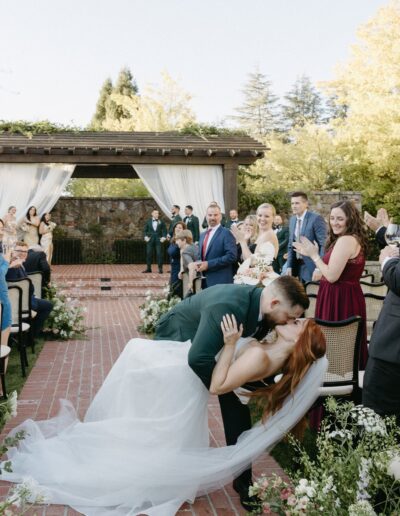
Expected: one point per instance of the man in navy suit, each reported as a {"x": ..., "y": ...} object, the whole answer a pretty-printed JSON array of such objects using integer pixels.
[
  {"x": 304, "y": 223},
  {"x": 217, "y": 249}
]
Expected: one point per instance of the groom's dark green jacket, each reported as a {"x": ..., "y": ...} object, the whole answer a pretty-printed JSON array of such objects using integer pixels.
[{"x": 199, "y": 317}]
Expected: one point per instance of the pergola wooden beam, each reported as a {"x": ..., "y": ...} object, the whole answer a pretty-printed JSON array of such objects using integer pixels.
[{"x": 110, "y": 154}]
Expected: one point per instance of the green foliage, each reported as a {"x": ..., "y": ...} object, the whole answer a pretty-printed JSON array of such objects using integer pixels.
[
  {"x": 29, "y": 129},
  {"x": 205, "y": 130},
  {"x": 107, "y": 188},
  {"x": 354, "y": 469},
  {"x": 303, "y": 104},
  {"x": 101, "y": 112},
  {"x": 126, "y": 87},
  {"x": 250, "y": 198},
  {"x": 258, "y": 114}
]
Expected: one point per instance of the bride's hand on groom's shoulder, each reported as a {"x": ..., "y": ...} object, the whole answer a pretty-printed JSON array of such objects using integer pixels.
[{"x": 230, "y": 330}]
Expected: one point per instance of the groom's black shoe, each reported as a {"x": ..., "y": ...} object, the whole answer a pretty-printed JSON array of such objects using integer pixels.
[{"x": 250, "y": 503}]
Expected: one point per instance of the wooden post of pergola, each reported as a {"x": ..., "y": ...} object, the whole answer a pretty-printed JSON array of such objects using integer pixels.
[{"x": 110, "y": 154}]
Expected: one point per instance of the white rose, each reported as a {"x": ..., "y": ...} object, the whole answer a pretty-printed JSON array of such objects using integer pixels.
[{"x": 394, "y": 467}]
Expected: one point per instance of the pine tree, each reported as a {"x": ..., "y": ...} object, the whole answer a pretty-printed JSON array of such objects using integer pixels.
[
  {"x": 303, "y": 104},
  {"x": 125, "y": 86},
  {"x": 100, "y": 114},
  {"x": 258, "y": 114}
]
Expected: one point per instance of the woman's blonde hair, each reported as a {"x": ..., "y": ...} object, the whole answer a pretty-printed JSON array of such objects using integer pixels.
[
  {"x": 253, "y": 219},
  {"x": 267, "y": 205}
]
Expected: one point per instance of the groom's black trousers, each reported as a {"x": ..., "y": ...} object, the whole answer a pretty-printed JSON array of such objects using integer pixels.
[{"x": 236, "y": 419}]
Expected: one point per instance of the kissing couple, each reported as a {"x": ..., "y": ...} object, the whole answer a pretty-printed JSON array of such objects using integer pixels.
[{"x": 143, "y": 447}]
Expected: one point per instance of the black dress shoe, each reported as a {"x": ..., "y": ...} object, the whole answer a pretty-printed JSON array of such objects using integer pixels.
[
  {"x": 250, "y": 503},
  {"x": 146, "y": 272}
]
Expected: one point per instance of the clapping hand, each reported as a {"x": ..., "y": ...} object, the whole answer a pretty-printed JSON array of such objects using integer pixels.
[
  {"x": 240, "y": 236},
  {"x": 230, "y": 330},
  {"x": 389, "y": 251},
  {"x": 381, "y": 219},
  {"x": 306, "y": 248}
]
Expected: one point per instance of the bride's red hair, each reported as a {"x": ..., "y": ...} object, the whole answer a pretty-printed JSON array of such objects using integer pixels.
[{"x": 310, "y": 346}]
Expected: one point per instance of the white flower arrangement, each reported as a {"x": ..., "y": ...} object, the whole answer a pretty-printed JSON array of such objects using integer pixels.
[
  {"x": 356, "y": 470},
  {"x": 154, "y": 307},
  {"x": 66, "y": 320}
]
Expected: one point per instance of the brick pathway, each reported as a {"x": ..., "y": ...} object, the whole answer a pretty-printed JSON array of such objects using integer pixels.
[{"x": 75, "y": 370}]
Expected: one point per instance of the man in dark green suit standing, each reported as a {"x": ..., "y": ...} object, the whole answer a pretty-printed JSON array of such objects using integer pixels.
[
  {"x": 192, "y": 223},
  {"x": 175, "y": 218},
  {"x": 155, "y": 233},
  {"x": 198, "y": 319},
  {"x": 282, "y": 234}
]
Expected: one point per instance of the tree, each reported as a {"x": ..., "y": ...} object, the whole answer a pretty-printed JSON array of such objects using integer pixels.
[
  {"x": 303, "y": 104},
  {"x": 368, "y": 84},
  {"x": 160, "y": 108},
  {"x": 125, "y": 87},
  {"x": 100, "y": 114},
  {"x": 258, "y": 114}
]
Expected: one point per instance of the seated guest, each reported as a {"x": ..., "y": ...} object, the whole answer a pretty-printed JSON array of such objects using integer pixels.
[
  {"x": 282, "y": 233},
  {"x": 17, "y": 271},
  {"x": 36, "y": 261}
]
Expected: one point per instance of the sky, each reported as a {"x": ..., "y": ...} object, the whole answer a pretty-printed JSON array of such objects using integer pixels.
[{"x": 55, "y": 55}]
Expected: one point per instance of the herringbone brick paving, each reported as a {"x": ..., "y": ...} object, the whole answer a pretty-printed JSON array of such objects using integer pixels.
[{"x": 75, "y": 370}]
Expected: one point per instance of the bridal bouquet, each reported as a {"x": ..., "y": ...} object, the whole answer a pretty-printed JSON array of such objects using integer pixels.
[
  {"x": 154, "y": 307},
  {"x": 356, "y": 471},
  {"x": 257, "y": 269}
]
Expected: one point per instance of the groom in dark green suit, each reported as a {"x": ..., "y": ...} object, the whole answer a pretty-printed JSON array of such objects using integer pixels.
[{"x": 198, "y": 319}]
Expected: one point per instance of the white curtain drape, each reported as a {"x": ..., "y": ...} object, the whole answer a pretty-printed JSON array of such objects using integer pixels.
[
  {"x": 32, "y": 184},
  {"x": 196, "y": 185}
]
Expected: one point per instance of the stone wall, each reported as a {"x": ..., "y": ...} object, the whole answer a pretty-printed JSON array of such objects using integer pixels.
[
  {"x": 102, "y": 217},
  {"x": 117, "y": 218},
  {"x": 321, "y": 201}
]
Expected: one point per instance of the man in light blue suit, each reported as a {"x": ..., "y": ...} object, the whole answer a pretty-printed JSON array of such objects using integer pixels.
[
  {"x": 217, "y": 250},
  {"x": 304, "y": 223}
]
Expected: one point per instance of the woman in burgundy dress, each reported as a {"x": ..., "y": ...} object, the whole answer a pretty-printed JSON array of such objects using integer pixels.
[{"x": 340, "y": 295}]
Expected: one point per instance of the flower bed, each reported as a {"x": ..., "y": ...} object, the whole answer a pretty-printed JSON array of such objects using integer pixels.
[{"x": 356, "y": 470}]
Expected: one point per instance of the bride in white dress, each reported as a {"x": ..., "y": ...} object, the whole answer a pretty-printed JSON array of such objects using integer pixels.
[{"x": 143, "y": 447}]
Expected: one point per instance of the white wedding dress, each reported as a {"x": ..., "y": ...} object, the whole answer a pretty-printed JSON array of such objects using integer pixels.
[{"x": 143, "y": 445}]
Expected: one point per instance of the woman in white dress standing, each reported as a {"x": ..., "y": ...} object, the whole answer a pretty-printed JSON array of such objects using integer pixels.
[
  {"x": 10, "y": 228},
  {"x": 265, "y": 217},
  {"x": 143, "y": 447},
  {"x": 30, "y": 227},
  {"x": 46, "y": 229}
]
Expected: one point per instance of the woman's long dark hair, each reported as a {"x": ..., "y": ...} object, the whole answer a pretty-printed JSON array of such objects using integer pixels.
[
  {"x": 29, "y": 209},
  {"x": 355, "y": 225},
  {"x": 310, "y": 346},
  {"x": 43, "y": 218}
]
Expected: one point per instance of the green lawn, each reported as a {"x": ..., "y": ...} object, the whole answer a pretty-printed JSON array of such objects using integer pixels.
[{"x": 14, "y": 379}]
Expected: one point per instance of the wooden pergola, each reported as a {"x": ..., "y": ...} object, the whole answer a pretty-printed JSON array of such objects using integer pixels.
[{"x": 110, "y": 154}]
